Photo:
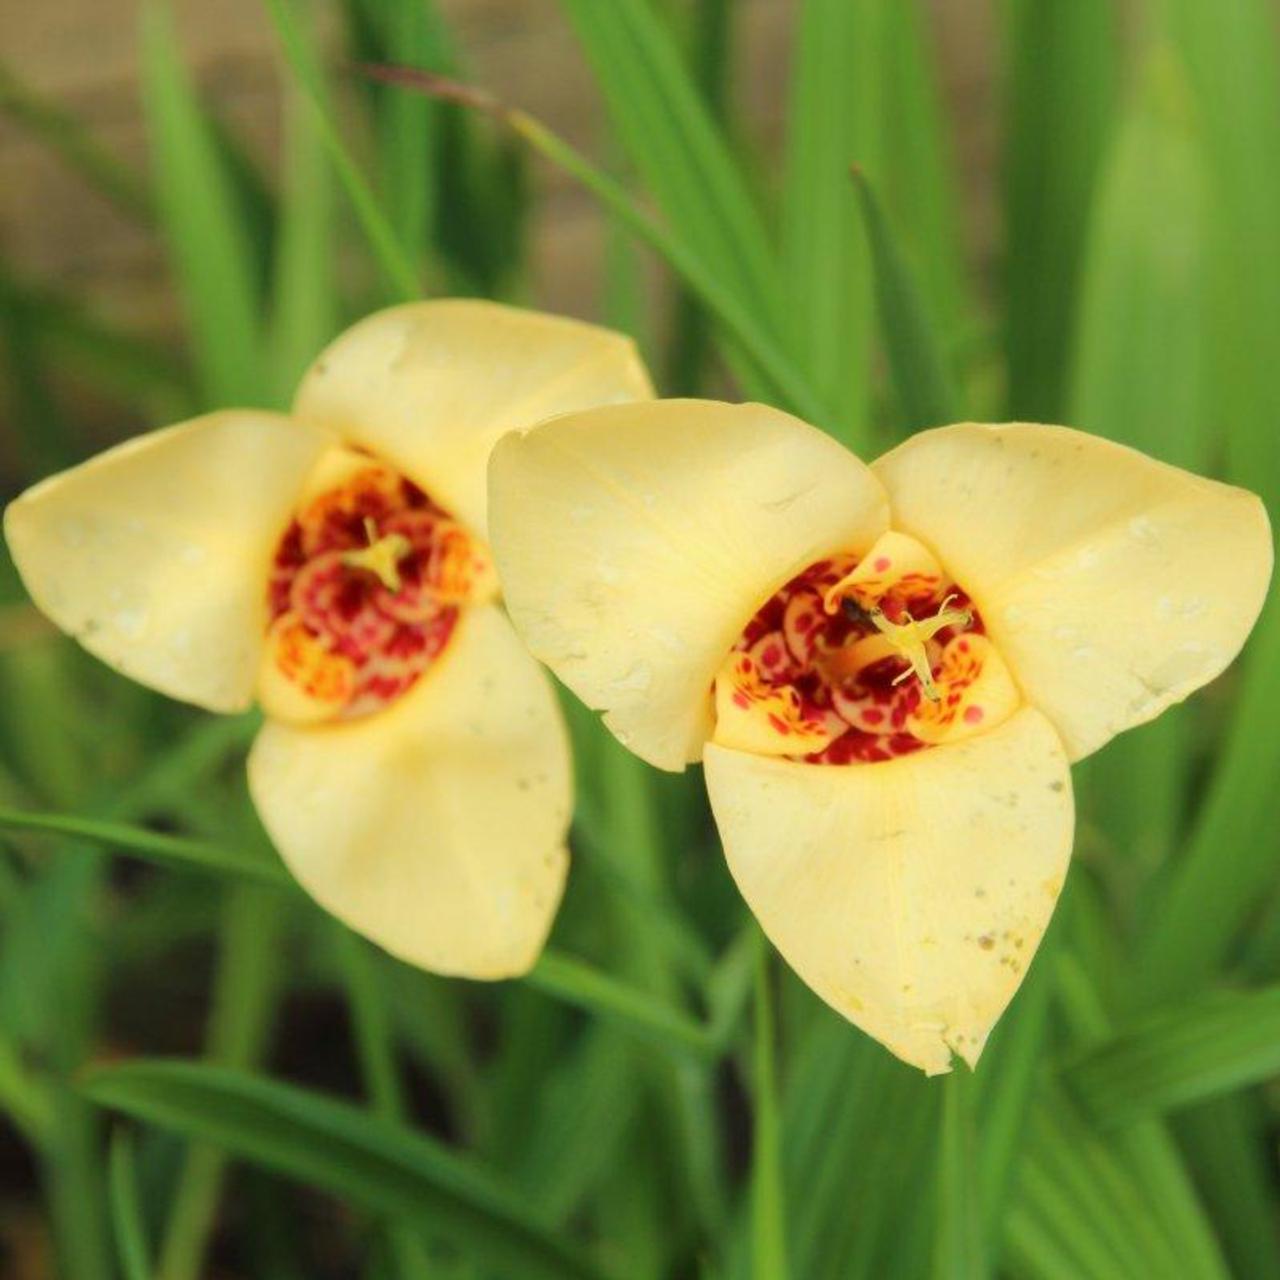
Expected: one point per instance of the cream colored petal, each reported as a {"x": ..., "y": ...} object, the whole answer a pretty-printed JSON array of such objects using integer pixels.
[
  {"x": 154, "y": 555},
  {"x": 635, "y": 542},
  {"x": 432, "y": 386},
  {"x": 1113, "y": 585},
  {"x": 437, "y": 827},
  {"x": 753, "y": 715},
  {"x": 910, "y": 894}
]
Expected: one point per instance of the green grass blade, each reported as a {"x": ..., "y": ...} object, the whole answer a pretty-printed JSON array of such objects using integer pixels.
[
  {"x": 1141, "y": 361},
  {"x": 768, "y": 1208},
  {"x": 624, "y": 1005},
  {"x": 408, "y": 127},
  {"x": 584, "y": 1116},
  {"x": 1008, "y": 1077},
  {"x": 211, "y": 254},
  {"x": 178, "y": 852},
  {"x": 1233, "y": 66},
  {"x": 832, "y": 124},
  {"x": 920, "y": 376},
  {"x": 710, "y": 41},
  {"x": 1048, "y": 1236},
  {"x": 1228, "y": 1144},
  {"x": 671, "y": 138},
  {"x": 1186, "y": 1055},
  {"x": 339, "y": 1148},
  {"x": 1141, "y": 379},
  {"x": 914, "y": 168},
  {"x": 126, "y": 1210},
  {"x": 249, "y": 971},
  {"x": 376, "y": 1049},
  {"x": 1141, "y": 1158},
  {"x": 958, "y": 1249},
  {"x": 1227, "y": 866},
  {"x": 24, "y": 1096},
  {"x": 1062, "y": 57},
  {"x": 1234, "y": 73},
  {"x": 1086, "y": 1197},
  {"x": 43, "y": 434},
  {"x": 772, "y": 363},
  {"x": 304, "y": 293},
  {"x": 396, "y": 264},
  {"x": 858, "y": 1128}
]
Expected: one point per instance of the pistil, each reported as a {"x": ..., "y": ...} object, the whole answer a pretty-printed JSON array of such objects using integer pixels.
[
  {"x": 910, "y": 639},
  {"x": 381, "y": 557}
]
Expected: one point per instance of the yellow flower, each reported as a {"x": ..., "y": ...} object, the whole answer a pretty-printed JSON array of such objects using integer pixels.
[
  {"x": 331, "y": 564},
  {"x": 885, "y": 670}
]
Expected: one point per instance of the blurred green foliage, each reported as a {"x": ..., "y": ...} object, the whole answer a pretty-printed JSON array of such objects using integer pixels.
[{"x": 630, "y": 1110}]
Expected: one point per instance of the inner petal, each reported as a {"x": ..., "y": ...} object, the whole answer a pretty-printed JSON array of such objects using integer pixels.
[
  {"x": 862, "y": 658},
  {"x": 365, "y": 592}
]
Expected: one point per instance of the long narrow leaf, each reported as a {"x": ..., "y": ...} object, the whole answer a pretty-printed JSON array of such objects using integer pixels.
[
  {"x": 919, "y": 368},
  {"x": 768, "y": 1207},
  {"x": 126, "y": 1211},
  {"x": 624, "y": 1005},
  {"x": 1141, "y": 379},
  {"x": 341, "y": 1148},
  {"x": 1188, "y": 1055},
  {"x": 304, "y": 292},
  {"x": 788, "y": 382},
  {"x": 211, "y": 252},
  {"x": 1228, "y": 1144},
  {"x": 1233, "y": 68},
  {"x": 832, "y": 124},
  {"x": 916, "y": 175},
  {"x": 391, "y": 255},
  {"x": 1062, "y": 57},
  {"x": 174, "y": 851},
  {"x": 672, "y": 140},
  {"x": 958, "y": 1248}
]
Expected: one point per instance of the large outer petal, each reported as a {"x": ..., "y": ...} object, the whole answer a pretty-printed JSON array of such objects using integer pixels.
[
  {"x": 432, "y": 386},
  {"x": 910, "y": 894},
  {"x": 635, "y": 542},
  {"x": 437, "y": 827},
  {"x": 1114, "y": 585},
  {"x": 154, "y": 555}
]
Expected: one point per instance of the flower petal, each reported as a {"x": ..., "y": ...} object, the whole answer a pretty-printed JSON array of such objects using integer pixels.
[
  {"x": 436, "y": 827},
  {"x": 1113, "y": 585},
  {"x": 635, "y": 542},
  {"x": 155, "y": 554},
  {"x": 909, "y": 894},
  {"x": 431, "y": 386}
]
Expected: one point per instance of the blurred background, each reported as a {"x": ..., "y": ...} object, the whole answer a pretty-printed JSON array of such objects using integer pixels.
[{"x": 1071, "y": 213}]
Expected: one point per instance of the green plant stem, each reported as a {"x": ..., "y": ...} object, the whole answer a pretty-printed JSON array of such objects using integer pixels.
[
  {"x": 75, "y": 1174},
  {"x": 925, "y": 390},
  {"x": 628, "y": 1006},
  {"x": 375, "y": 1046},
  {"x": 244, "y": 1000},
  {"x": 126, "y": 1212},
  {"x": 179, "y": 851},
  {"x": 958, "y": 1245},
  {"x": 788, "y": 382},
  {"x": 768, "y": 1210},
  {"x": 744, "y": 332},
  {"x": 396, "y": 265}
]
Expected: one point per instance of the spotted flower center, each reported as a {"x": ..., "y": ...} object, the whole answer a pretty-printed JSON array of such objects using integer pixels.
[
  {"x": 860, "y": 659},
  {"x": 366, "y": 589}
]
